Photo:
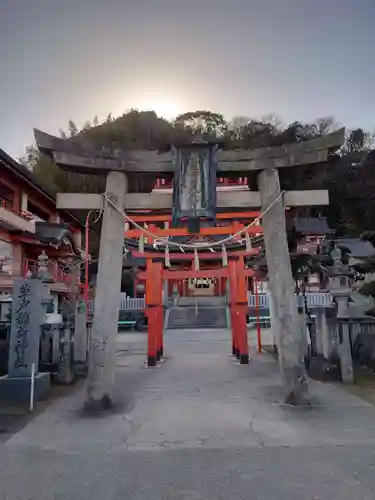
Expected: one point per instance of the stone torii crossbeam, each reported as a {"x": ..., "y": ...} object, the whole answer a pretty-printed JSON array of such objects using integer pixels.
[{"x": 289, "y": 334}]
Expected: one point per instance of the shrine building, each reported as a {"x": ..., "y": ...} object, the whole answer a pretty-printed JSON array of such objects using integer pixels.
[{"x": 30, "y": 224}]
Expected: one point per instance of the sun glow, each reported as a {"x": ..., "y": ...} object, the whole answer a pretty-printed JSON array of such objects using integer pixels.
[{"x": 163, "y": 107}]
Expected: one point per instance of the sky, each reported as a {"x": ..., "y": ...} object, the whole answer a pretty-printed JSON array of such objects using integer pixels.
[{"x": 64, "y": 60}]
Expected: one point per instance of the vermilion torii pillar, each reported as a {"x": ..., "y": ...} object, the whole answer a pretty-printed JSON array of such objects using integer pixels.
[
  {"x": 238, "y": 308},
  {"x": 264, "y": 161},
  {"x": 154, "y": 311}
]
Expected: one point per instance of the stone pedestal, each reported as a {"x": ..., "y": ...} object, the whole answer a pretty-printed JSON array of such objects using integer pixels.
[
  {"x": 80, "y": 334},
  {"x": 341, "y": 298},
  {"x": 17, "y": 389},
  {"x": 345, "y": 352},
  {"x": 344, "y": 347},
  {"x": 80, "y": 342},
  {"x": 322, "y": 334},
  {"x": 65, "y": 371}
]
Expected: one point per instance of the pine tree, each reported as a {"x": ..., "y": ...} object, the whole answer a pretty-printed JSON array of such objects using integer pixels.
[{"x": 73, "y": 129}]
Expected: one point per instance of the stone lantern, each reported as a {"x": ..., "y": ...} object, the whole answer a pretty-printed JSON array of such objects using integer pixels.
[
  {"x": 339, "y": 287},
  {"x": 43, "y": 271},
  {"x": 339, "y": 283}
]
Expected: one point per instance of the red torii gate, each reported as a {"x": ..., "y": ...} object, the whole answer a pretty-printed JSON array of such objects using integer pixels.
[
  {"x": 156, "y": 274},
  {"x": 235, "y": 272}
]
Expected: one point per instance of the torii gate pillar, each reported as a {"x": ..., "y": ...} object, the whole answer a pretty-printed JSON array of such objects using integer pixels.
[
  {"x": 287, "y": 328},
  {"x": 102, "y": 361}
]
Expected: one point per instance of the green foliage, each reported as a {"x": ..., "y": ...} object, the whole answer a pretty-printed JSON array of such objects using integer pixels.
[
  {"x": 133, "y": 130},
  {"x": 53, "y": 179},
  {"x": 369, "y": 236},
  {"x": 326, "y": 125},
  {"x": 73, "y": 129},
  {"x": 366, "y": 266},
  {"x": 349, "y": 175},
  {"x": 202, "y": 124},
  {"x": 302, "y": 264},
  {"x": 368, "y": 289},
  {"x": 48, "y": 174},
  {"x": 370, "y": 312},
  {"x": 358, "y": 141}
]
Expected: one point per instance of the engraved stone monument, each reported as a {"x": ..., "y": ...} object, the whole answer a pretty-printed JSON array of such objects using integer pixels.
[{"x": 28, "y": 314}]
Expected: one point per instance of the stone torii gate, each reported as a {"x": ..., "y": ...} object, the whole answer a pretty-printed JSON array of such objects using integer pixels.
[{"x": 290, "y": 337}]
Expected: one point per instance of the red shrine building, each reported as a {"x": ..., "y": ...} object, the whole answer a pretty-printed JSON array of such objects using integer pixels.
[{"x": 31, "y": 225}]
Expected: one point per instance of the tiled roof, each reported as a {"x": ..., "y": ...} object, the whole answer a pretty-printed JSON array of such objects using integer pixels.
[
  {"x": 311, "y": 225},
  {"x": 357, "y": 247},
  {"x": 49, "y": 232}
]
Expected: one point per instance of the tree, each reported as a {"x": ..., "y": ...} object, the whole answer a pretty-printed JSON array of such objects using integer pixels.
[
  {"x": 274, "y": 120},
  {"x": 348, "y": 175},
  {"x": 202, "y": 124},
  {"x": 326, "y": 125},
  {"x": 47, "y": 173},
  {"x": 72, "y": 127},
  {"x": 30, "y": 158},
  {"x": 257, "y": 134},
  {"x": 368, "y": 288},
  {"x": 298, "y": 132},
  {"x": 358, "y": 141},
  {"x": 237, "y": 126},
  {"x": 355, "y": 141}
]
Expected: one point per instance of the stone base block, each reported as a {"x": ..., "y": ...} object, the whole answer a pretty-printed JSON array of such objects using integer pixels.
[
  {"x": 151, "y": 361},
  {"x": 81, "y": 369},
  {"x": 17, "y": 389},
  {"x": 244, "y": 359},
  {"x": 322, "y": 369}
]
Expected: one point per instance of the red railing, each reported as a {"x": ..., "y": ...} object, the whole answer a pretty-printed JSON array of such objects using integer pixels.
[
  {"x": 163, "y": 184},
  {"x": 239, "y": 181},
  {"x": 8, "y": 205},
  {"x": 223, "y": 181}
]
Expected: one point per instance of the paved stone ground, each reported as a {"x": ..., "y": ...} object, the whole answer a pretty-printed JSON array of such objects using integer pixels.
[{"x": 198, "y": 427}]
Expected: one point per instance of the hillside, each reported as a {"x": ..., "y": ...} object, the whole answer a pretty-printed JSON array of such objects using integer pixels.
[{"x": 348, "y": 175}]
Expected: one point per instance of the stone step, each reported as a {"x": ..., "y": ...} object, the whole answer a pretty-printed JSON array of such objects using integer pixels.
[
  {"x": 203, "y": 317},
  {"x": 214, "y": 301}
]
